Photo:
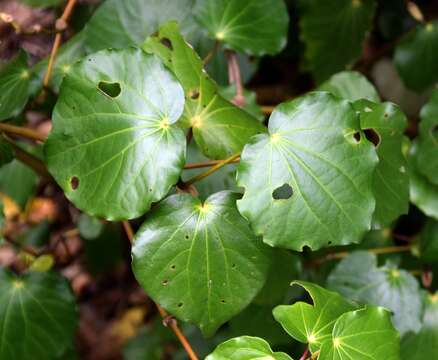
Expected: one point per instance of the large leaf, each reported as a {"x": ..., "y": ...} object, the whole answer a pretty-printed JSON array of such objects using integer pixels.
[
  {"x": 422, "y": 193},
  {"x": 200, "y": 261},
  {"x": 350, "y": 85},
  {"x": 333, "y": 32},
  {"x": 308, "y": 183},
  {"x": 114, "y": 148},
  {"x": 256, "y": 27},
  {"x": 37, "y": 317},
  {"x": 427, "y": 152},
  {"x": 219, "y": 127},
  {"x": 117, "y": 24},
  {"x": 357, "y": 277},
  {"x": 312, "y": 324},
  {"x": 415, "y": 57},
  {"x": 14, "y": 86},
  {"x": 424, "y": 344},
  {"x": 385, "y": 123},
  {"x": 365, "y": 334},
  {"x": 246, "y": 348}
]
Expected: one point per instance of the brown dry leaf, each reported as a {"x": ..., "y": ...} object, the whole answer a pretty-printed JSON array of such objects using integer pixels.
[
  {"x": 10, "y": 208},
  {"x": 128, "y": 325},
  {"x": 40, "y": 209}
]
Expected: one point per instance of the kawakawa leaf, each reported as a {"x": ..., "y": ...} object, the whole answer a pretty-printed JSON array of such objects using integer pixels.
[
  {"x": 255, "y": 27},
  {"x": 246, "y": 348},
  {"x": 415, "y": 57},
  {"x": 333, "y": 32},
  {"x": 38, "y": 315},
  {"x": 14, "y": 86},
  {"x": 201, "y": 262},
  {"x": 309, "y": 182},
  {"x": 365, "y": 334},
  {"x": 357, "y": 277},
  {"x": 427, "y": 152},
  {"x": 312, "y": 324},
  {"x": 220, "y": 128},
  {"x": 384, "y": 125},
  {"x": 115, "y": 148}
]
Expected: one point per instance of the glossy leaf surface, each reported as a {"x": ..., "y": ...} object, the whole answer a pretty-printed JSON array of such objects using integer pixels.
[
  {"x": 201, "y": 262},
  {"x": 114, "y": 147},
  {"x": 308, "y": 183}
]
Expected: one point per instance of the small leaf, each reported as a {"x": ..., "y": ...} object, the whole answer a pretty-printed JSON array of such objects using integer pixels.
[
  {"x": 255, "y": 27},
  {"x": 311, "y": 148},
  {"x": 14, "y": 86},
  {"x": 210, "y": 115},
  {"x": 246, "y": 348},
  {"x": 333, "y": 32},
  {"x": 201, "y": 262},
  {"x": 428, "y": 244},
  {"x": 38, "y": 315},
  {"x": 357, "y": 277},
  {"x": 415, "y": 57},
  {"x": 384, "y": 125},
  {"x": 312, "y": 324},
  {"x": 42, "y": 263},
  {"x": 89, "y": 227},
  {"x": 423, "y": 344},
  {"x": 350, "y": 85},
  {"x": 115, "y": 155},
  {"x": 365, "y": 334}
]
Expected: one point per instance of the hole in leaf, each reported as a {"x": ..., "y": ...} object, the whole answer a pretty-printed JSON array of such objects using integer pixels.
[
  {"x": 165, "y": 282},
  {"x": 187, "y": 237},
  {"x": 180, "y": 304},
  {"x": 356, "y": 136},
  {"x": 372, "y": 136},
  {"x": 194, "y": 94},
  {"x": 283, "y": 192},
  {"x": 385, "y": 115},
  {"x": 110, "y": 89},
  {"x": 223, "y": 301},
  {"x": 173, "y": 267},
  {"x": 74, "y": 182},
  {"x": 434, "y": 132},
  {"x": 233, "y": 266},
  {"x": 167, "y": 43}
]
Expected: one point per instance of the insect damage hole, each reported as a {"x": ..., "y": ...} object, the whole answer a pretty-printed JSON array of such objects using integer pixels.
[
  {"x": 74, "y": 182},
  {"x": 372, "y": 136},
  {"x": 110, "y": 89},
  {"x": 167, "y": 43},
  {"x": 283, "y": 192}
]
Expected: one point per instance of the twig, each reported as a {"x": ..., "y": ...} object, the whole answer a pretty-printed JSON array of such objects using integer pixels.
[
  {"x": 61, "y": 25},
  {"x": 208, "y": 164},
  {"x": 22, "y": 131},
  {"x": 213, "y": 169},
  {"x": 235, "y": 78},
  {"x": 167, "y": 320},
  {"x": 305, "y": 353}
]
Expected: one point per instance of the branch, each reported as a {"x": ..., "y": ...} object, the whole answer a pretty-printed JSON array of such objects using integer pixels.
[
  {"x": 167, "y": 320},
  {"x": 208, "y": 164},
  {"x": 22, "y": 131}
]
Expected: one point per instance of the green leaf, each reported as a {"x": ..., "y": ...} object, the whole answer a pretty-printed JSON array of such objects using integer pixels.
[
  {"x": 14, "y": 86},
  {"x": 307, "y": 172},
  {"x": 357, "y": 277},
  {"x": 118, "y": 24},
  {"x": 250, "y": 106},
  {"x": 422, "y": 193},
  {"x": 427, "y": 152},
  {"x": 365, "y": 334},
  {"x": 42, "y": 3},
  {"x": 350, "y": 85},
  {"x": 246, "y": 348},
  {"x": 38, "y": 315},
  {"x": 114, "y": 148},
  {"x": 6, "y": 152},
  {"x": 424, "y": 344},
  {"x": 89, "y": 227},
  {"x": 384, "y": 124},
  {"x": 255, "y": 27},
  {"x": 210, "y": 115},
  {"x": 333, "y": 33},
  {"x": 312, "y": 324},
  {"x": 188, "y": 259},
  {"x": 428, "y": 244},
  {"x": 415, "y": 57}
]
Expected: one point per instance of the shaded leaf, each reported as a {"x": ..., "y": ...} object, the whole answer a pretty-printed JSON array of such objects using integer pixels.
[
  {"x": 428, "y": 244},
  {"x": 89, "y": 227},
  {"x": 6, "y": 152},
  {"x": 250, "y": 106},
  {"x": 115, "y": 149},
  {"x": 188, "y": 259}
]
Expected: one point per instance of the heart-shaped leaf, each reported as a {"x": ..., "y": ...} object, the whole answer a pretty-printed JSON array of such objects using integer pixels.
[
  {"x": 350, "y": 85},
  {"x": 201, "y": 262},
  {"x": 308, "y": 183},
  {"x": 333, "y": 32},
  {"x": 114, "y": 148},
  {"x": 384, "y": 125},
  {"x": 210, "y": 115},
  {"x": 38, "y": 315},
  {"x": 312, "y": 324},
  {"x": 415, "y": 57},
  {"x": 365, "y": 334},
  {"x": 357, "y": 277},
  {"x": 246, "y": 348},
  {"x": 14, "y": 86},
  {"x": 255, "y": 27}
]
